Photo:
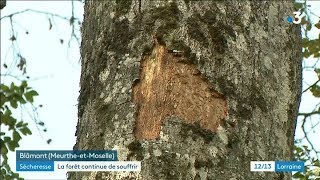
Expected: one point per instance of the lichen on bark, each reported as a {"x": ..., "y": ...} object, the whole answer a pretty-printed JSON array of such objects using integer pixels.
[{"x": 244, "y": 50}]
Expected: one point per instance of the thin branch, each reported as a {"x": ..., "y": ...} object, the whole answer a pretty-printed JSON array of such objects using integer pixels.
[
  {"x": 34, "y": 117},
  {"x": 307, "y": 138},
  {"x": 311, "y": 86},
  {"x": 316, "y": 15},
  {"x": 36, "y": 11},
  {"x": 72, "y": 21},
  {"x": 309, "y": 114},
  {"x": 16, "y": 77}
]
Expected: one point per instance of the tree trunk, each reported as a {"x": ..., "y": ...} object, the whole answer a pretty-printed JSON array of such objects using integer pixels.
[{"x": 193, "y": 89}]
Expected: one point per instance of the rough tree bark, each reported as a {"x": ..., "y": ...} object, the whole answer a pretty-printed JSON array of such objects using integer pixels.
[
  {"x": 193, "y": 89},
  {"x": 3, "y": 3}
]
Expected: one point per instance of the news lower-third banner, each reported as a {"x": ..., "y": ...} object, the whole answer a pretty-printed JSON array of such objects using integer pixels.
[
  {"x": 66, "y": 161},
  {"x": 277, "y": 166}
]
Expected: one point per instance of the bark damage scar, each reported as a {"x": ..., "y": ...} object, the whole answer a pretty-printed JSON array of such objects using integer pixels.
[{"x": 169, "y": 86}]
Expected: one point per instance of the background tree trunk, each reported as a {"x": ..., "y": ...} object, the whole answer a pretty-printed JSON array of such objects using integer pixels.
[{"x": 193, "y": 89}]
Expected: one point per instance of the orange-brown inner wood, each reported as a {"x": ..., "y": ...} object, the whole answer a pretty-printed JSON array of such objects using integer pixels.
[{"x": 168, "y": 86}]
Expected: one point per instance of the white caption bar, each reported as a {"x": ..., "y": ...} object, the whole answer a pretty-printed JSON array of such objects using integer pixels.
[
  {"x": 262, "y": 166},
  {"x": 97, "y": 166}
]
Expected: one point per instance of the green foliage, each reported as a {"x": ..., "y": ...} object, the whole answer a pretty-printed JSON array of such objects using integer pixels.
[
  {"x": 311, "y": 48},
  {"x": 315, "y": 88},
  {"x": 312, "y": 165},
  {"x": 11, "y": 97},
  {"x": 20, "y": 98}
]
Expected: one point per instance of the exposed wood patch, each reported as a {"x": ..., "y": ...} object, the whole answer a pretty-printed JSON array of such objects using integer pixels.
[{"x": 169, "y": 86}]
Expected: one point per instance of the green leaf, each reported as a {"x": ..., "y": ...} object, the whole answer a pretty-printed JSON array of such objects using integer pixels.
[
  {"x": 304, "y": 21},
  {"x": 4, "y": 119},
  {"x": 317, "y": 25},
  {"x": 16, "y": 136},
  {"x": 7, "y": 119},
  {"x": 34, "y": 93},
  {"x": 3, "y": 171},
  {"x": 12, "y": 86},
  {"x": 24, "y": 84},
  {"x": 11, "y": 123},
  {"x": 14, "y": 103},
  {"x": 19, "y": 124},
  {"x": 2, "y": 100},
  {"x": 12, "y": 145},
  {"x": 4, "y": 88},
  {"x": 8, "y": 112},
  {"x": 305, "y": 42},
  {"x": 306, "y": 53},
  {"x": 4, "y": 149},
  {"x": 316, "y": 70},
  {"x": 309, "y": 26},
  {"x": 30, "y": 94},
  {"x": 298, "y": 5},
  {"x": 25, "y": 131},
  {"x": 315, "y": 89},
  {"x": 21, "y": 100},
  {"x": 298, "y": 149},
  {"x": 7, "y": 139},
  {"x": 15, "y": 175},
  {"x": 298, "y": 175}
]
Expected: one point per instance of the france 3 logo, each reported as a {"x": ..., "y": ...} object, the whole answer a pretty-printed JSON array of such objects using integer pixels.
[{"x": 296, "y": 19}]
